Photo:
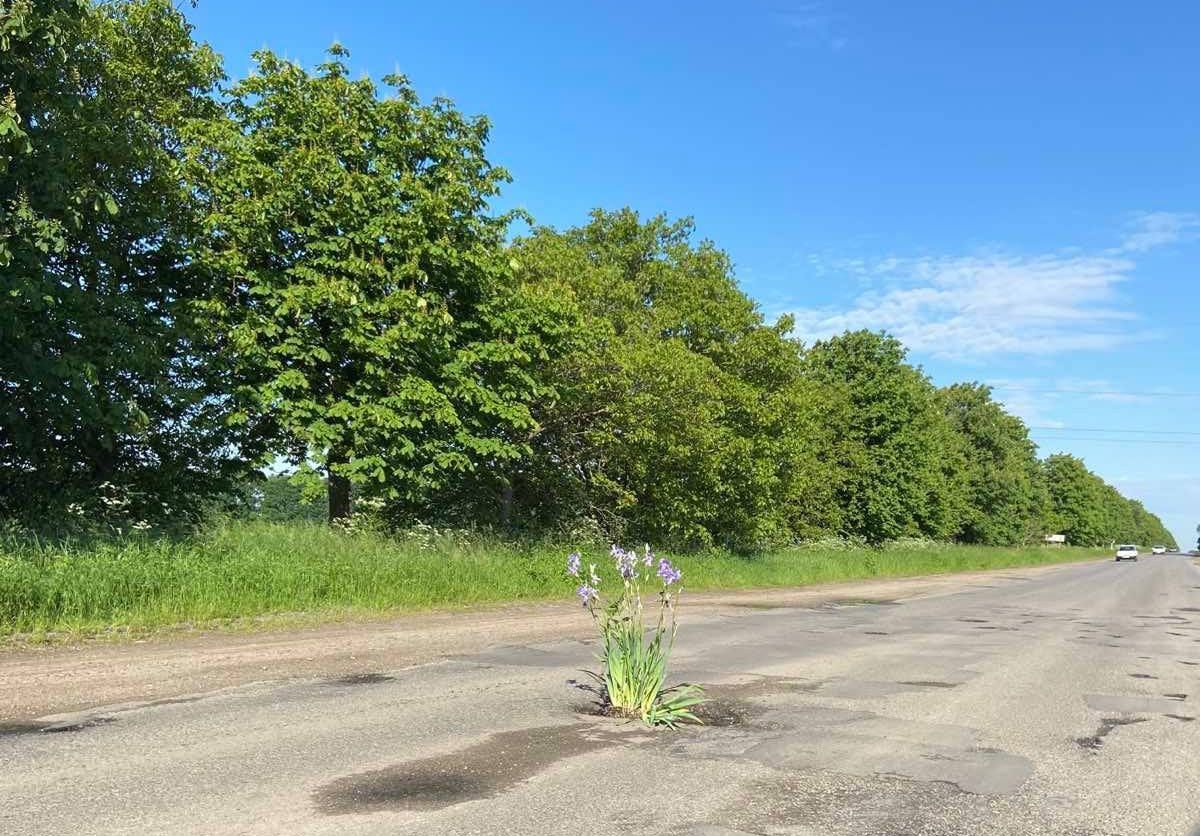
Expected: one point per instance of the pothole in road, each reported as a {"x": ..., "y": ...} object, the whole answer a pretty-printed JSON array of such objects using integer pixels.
[
  {"x": 875, "y": 633},
  {"x": 1143, "y": 676},
  {"x": 713, "y": 712},
  {"x": 930, "y": 683},
  {"x": 723, "y": 713},
  {"x": 1179, "y": 697},
  {"x": 1095, "y": 741},
  {"x": 1181, "y": 717}
]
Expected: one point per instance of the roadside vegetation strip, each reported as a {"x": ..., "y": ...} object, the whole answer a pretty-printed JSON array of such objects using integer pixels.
[{"x": 246, "y": 570}]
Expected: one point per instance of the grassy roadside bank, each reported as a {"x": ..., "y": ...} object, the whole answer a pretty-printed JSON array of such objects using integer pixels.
[{"x": 246, "y": 570}]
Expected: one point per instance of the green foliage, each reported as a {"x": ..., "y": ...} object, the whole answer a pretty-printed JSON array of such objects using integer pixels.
[
  {"x": 102, "y": 377},
  {"x": 370, "y": 318},
  {"x": 890, "y": 475},
  {"x": 998, "y": 468},
  {"x": 1092, "y": 513},
  {"x": 678, "y": 413},
  {"x": 306, "y": 267},
  {"x": 633, "y": 672},
  {"x": 279, "y": 497},
  {"x": 252, "y": 569}
]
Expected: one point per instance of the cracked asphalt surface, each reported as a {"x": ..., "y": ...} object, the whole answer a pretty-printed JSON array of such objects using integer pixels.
[{"x": 1061, "y": 701}]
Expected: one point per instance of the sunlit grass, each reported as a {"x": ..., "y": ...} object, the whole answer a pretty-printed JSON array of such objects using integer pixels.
[{"x": 247, "y": 570}]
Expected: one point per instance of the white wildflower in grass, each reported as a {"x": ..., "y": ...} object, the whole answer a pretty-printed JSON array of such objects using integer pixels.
[{"x": 633, "y": 671}]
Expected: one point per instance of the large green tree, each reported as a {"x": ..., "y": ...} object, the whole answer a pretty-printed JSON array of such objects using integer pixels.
[
  {"x": 678, "y": 413},
  {"x": 102, "y": 377},
  {"x": 1091, "y": 512},
  {"x": 372, "y": 324},
  {"x": 891, "y": 476},
  {"x": 999, "y": 469}
]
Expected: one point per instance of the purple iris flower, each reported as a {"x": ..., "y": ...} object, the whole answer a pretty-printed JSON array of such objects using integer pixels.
[
  {"x": 573, "y": 564},
  {"x": 668, "y": 573},
  {"x": 626, "y": 562}
]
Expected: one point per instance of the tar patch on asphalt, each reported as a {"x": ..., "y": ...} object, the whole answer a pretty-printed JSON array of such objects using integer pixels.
[
  {"x": 31, "y": 728},
  {"x": 363, "y": 679},
  {"x": 1095, "y": 741},
  {"x": 483, "y": 770}
]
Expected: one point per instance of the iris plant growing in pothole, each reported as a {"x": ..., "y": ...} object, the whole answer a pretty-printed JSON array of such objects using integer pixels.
[{"x": 632, "y": 678}]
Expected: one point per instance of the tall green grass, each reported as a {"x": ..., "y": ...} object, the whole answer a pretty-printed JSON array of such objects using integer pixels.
[{"x": 245, "y": 570}]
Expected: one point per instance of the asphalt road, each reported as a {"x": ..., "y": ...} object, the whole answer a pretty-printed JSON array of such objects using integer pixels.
[{"x": 1040, "y": 702}]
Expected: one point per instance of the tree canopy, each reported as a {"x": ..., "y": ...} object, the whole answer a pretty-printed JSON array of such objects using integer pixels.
[
  {"x": 369, "y": 317},
  {"x": 102, "y": 377},
  {"x": 676, "y": 412},
  {"x": 200, "y": 278}
]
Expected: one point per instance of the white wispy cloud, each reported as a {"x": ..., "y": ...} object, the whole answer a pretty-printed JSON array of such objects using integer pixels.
[
  {"x": 1024, "y": 398},
  {"x": 972, "y": 306},
  {"x": 1029, "y": 397},
  {"x": 966, "y": 306},
  {"x": 1148, "y": 230}
]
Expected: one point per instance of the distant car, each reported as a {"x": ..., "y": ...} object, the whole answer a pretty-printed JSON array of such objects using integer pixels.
[
  {"x": 1127, "y": 553},
  {"x": 1158, "y": 550}
]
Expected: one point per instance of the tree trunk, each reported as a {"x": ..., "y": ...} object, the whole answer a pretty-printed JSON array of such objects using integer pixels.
[
  {"x": 339, "y": 491},
  {"x": 506, "y": 504}
]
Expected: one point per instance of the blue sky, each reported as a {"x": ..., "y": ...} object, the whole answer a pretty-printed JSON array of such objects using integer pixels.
[{"x": 1012, "y": 188}]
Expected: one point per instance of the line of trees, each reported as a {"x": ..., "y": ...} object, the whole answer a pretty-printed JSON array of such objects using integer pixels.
[{"x": 198, "y": 278}]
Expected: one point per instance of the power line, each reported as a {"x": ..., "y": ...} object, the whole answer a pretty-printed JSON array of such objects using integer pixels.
[
  {"x": 1113, "y": 430},
  {"x": 1122, "y": 440},
  {"x": 1115, "y": 392}
]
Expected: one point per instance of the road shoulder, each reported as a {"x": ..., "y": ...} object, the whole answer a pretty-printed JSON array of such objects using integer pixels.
[{"x": 41, "y": 681}]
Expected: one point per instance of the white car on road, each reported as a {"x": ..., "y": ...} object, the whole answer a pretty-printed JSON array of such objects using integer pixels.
[
  {"x": 1127, "y": 552},
  {"x": 1158, "y": 550}
]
